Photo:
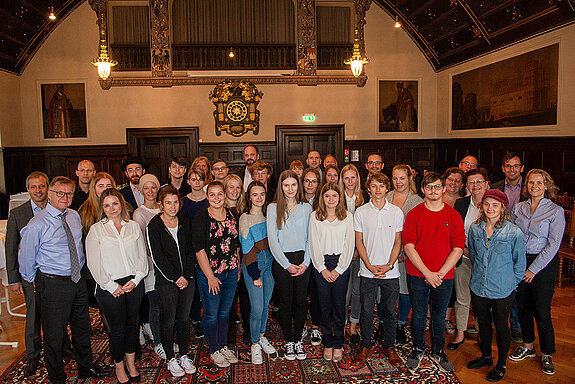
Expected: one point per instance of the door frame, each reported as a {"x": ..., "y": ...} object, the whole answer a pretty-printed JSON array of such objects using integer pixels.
[{"x": 336, "y": 130}]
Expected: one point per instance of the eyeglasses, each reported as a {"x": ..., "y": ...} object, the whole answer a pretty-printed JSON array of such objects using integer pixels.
[
  {"x": 68, "y": 195},
  {"x": 514, "y": 166},
  {"x": 454, "y": 180},
  {"x": 473, "y": 182},
  {"x": 261, "y": 173},
  {"x": 374, "y": 162},
  {"x": 217, "y": 169},
  {"x": 468, "y": 163},
  {"x": 430, "y": 187}
]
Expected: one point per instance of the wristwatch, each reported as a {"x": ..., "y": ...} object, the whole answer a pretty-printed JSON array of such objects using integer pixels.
[{"x": 390, "y": 266}]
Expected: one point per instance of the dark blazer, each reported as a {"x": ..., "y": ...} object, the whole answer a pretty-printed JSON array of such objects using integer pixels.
[
  {"x": 19, "y": 218},
  {"x": 501, "y": 186},
  {"x": 462, "y": 205},
  {"x": 126, "y": 191}
]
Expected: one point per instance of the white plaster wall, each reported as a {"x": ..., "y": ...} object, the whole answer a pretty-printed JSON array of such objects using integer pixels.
[
  {"x": 565, "y": 111},
  {"x": 10, "y": 115},
  {"x": 66, "y": 55}
]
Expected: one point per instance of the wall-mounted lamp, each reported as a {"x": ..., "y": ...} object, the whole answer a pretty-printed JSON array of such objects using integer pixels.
[
  {"x": 397, "y": 23},
  {"x": 231, "y": 54},
  {"x": 51, "y": 15}
]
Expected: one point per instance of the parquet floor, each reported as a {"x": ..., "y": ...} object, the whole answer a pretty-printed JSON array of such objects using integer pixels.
[{"x": 527, "y": 371}]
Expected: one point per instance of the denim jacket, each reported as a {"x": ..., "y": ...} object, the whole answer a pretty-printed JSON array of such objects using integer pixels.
[{"x": 498, "y": 265}]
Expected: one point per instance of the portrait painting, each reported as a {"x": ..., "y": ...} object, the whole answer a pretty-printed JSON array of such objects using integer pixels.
[
  {"x": 64, "y": 110},
  {"x": 520, "y": 91},
  {"x": 398, "y": 106}
]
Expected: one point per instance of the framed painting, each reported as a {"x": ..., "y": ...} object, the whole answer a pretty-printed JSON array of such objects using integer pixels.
[
  {"x": 516, "y": 92},
  {"x": 398, "y": 106},
  {"x": 64, "y": 110}
]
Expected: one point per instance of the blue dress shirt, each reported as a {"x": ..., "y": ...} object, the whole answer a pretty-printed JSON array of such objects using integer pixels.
[
  {"x": 543, "y": 230},
  {"x": 497, "y": 268},
  {"x": 44, "y": 245}
]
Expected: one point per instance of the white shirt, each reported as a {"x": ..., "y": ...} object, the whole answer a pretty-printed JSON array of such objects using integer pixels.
[
  {"x": 471, "y": 217},
  {"x": 112, "y": 255},
  {"x": 350, "y": 202},
  {"x": 137, "y": 195},
  {"x": 327, "y": 238},
  {"x": 247, "y": 179},
  {"x": 378, "y": 227}
]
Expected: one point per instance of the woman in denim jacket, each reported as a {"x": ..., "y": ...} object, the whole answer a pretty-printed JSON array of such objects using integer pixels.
[{"x": 497, "y": 253}]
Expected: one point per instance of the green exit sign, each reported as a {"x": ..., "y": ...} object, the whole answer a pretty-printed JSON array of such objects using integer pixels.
[{"x": 309, "y": 117}]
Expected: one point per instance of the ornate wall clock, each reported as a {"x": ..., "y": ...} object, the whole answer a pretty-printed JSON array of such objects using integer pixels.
[{"x": 236, "y": 104}]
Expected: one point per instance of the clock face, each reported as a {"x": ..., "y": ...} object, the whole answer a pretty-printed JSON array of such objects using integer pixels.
[{"x": 236, "y": 110}]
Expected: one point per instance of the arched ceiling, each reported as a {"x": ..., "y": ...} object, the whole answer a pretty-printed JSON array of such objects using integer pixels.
[{"x": 447, "y": 32}]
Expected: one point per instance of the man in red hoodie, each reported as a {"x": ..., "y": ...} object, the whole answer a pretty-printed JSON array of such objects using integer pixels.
[{"x": 433, "y": 240}]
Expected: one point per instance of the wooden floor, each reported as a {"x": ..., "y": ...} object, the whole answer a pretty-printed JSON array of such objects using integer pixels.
[{"x": 526, "y": 371}]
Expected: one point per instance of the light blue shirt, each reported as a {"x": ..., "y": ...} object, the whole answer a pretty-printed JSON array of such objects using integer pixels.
[
  {"x": 497, "y": 268},
  {"x": 543, "y": 230},
  {"x": 44, "y": 245},
  {"x": 293, "y": 235},
  {"x": 35, "y": 208}
]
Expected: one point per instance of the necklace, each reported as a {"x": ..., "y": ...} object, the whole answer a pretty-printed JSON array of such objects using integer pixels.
[{"x": 488, "y": 242}]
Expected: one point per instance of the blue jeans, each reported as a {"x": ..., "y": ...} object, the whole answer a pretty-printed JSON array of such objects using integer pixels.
[
  {"x": 217, "y": 307},
  {"x": 260, "y": 297},
  {"x": 421, "y": 295},
  {"x": 403, "y": 308},
  {"x": 514, "y": 317}
]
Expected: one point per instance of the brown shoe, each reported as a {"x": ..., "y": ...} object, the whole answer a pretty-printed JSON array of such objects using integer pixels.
[
  {"x": 393, "y": 357},
  {"x": 360, "y": 358}
]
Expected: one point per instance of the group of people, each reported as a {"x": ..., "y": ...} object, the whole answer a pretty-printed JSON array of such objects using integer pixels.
[{"x": 157, "y": 254}]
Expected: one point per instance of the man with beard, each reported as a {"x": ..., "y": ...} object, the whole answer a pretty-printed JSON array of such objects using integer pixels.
[
  {"x": 134, "y": 168},
  {"x": 85, "y": 172},
  {"x": 251, "y": 155}
]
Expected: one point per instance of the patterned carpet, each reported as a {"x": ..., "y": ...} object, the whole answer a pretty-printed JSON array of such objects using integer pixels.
[{"x": 278, "y": 370}]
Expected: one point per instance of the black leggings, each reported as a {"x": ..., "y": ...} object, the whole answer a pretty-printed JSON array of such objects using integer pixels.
[
  {"x": 483, "y": 309},
  {"x": 292, "y": 292}
]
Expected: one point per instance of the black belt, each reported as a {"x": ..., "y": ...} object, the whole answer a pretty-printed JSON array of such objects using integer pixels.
[{"x": 57, "y": 277}]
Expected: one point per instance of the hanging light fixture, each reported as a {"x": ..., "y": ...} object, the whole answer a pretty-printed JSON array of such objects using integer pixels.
[
  {"x": 397, "y": 23},
  {"x": 356, "y": 60},
  {"x": 103, "y": 62},
  {"x": 51, "y": 15}
]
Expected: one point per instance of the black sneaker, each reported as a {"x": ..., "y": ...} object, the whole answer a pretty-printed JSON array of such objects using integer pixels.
[
  {"x": 400, "y": 336},
  {"x": 495, "y": 374},
  {"x": 480, "y": 362},
  {"x": 516, "y": 336},
  {"x": 198, "y": 329},
  {"x": 547, "y": 365},
  {"x": 414, "y": 358},
  {"x": 521, "y": 353},
  {"x": 315, "y": 336},
  {"x": 441, "y": 359}
]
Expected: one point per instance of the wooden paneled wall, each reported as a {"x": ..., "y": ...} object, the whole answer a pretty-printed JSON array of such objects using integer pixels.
[{"x": 233, "y": 153}]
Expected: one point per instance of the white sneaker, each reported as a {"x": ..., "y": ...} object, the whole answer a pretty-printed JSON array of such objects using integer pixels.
[
  {"x": 304, "y": 332},
  {"x": 159, "y": 350},
  {"x": 229, "y": 355},
  {"x": 267, "y": 347},
  {"x": 219, "y": 359},
  {"x": 257, "y": 357},
  {"x": 187, "y": 365},
  {"x": 300, "y": 351},
  {"x": 142, "y": 338},
  {"x": 175, "y": 369},
  {"x": 315, "y": 337},
  {"x": 147, "y": 329},
  {"x": 290, "y": 351}
]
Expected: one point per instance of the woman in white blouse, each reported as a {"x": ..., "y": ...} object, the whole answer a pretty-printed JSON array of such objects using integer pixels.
[
  {"x": 331, "y": 244},
  {"x": 116, "y": 255}
]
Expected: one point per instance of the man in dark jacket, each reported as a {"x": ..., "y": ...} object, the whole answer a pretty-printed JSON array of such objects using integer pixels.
[{"x": 134, "y": 168}]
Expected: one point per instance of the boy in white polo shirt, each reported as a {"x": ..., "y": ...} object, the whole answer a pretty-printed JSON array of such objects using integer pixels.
[{"x": 378, "y": 226}]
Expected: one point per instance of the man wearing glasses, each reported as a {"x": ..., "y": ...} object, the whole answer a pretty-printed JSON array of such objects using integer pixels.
[
  {"x": 374, "y": 164},
  {"x": 468, "y": 163},
  {"x": 51, "y": 257},
  {"x": 433, "y": 240},
  {"x": 219, "y": 170},
  {"x": 133, "y": 168},
  {"x": 85, "y": 172}
]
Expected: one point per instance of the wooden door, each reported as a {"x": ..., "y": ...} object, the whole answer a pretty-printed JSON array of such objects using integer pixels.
[
  {"x": 296, "y": 141},
  {"x": 156, "y": 146}
]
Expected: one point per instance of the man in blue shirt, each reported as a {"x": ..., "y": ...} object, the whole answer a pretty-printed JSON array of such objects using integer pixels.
[{"x": 51, "y": 257}]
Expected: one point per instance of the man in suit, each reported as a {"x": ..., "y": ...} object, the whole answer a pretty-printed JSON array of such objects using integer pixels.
[
  {"x": 374, "y": 164},
  {"x": 37, "y": 187},
  {"x": 51, "y": 258},
  {"x": 85, "y": 172},
  {"x": 134, "y": 168},
  {"x": 251, "y": 155}
]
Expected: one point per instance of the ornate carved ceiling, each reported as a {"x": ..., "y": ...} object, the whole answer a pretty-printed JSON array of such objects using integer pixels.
[{"x": 447, "y": 31}]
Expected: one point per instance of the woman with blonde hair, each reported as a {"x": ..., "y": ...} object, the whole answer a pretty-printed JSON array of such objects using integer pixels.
[
  {"x": 350, "y": 185},
  {"x": 235, "y": 198},
  {"x": 543, "y": 224},
  {"x": 204, "y": 164},
  {"x": 331, "y": 244}
]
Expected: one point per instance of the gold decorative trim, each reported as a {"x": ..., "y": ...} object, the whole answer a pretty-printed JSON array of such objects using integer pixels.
[{"x": 214, "y": 80}]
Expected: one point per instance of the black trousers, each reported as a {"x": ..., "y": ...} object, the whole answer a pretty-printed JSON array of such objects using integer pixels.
[
  {"x": 32, "y": 337},
  {"x": 484, "y": 308},
  {"x": 64, "y": 302},
  {"x": 122, "y": 314},
  {"x": 534, "y": 302},
  {"x": 292, "y": 292},
  {"x": 175, "y": 305},
  {"x": 314, "y": 304}
]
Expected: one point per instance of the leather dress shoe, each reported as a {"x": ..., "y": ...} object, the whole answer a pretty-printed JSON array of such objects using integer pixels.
[
  {"x": 31, "y": 367},
  {"x": 360, "y": 358},
  {"x": 393, "y": 357},
  {"x": 94, "y": 373},
  {"x": 453, "y": 346}
]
